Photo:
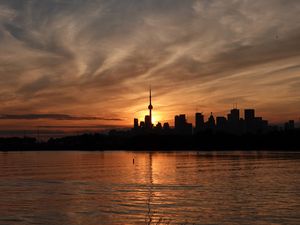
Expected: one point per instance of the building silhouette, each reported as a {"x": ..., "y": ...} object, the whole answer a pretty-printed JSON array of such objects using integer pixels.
[
  {"x": 221, "y": 124},
  {"x": 166, "y": 126},
  {"x": 211, "y": 123},
  {"x": 135, "y": 123},
  {"x": 290, "y": 125},
  {"x": 250, "y": 122},
  {"x": 232, "y": 124},
  {"x": 199, "y": 122},
  {"x": 249, "y": 114},
  {"x": 182, "y": 126},
  {"x": 148, "y": 123}
]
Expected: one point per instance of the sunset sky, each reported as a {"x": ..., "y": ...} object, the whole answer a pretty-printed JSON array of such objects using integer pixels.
[{"x": 88, "y": 64}]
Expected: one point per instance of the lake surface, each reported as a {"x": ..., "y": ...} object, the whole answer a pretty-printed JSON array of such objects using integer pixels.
[{"x": 158, "y": 188}]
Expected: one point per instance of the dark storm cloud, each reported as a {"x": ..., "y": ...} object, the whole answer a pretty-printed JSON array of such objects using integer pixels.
[{"x": 74, "y": 55}]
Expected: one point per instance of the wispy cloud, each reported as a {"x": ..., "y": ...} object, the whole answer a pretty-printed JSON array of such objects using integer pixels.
[
  {"x": 53, "y": 117},
  {"x": 98, "y": 57},
  {"x": 83, "y": 127}
]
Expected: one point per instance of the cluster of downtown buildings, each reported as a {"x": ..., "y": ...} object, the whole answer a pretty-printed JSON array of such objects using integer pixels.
[{"x": 232, "y": 124}]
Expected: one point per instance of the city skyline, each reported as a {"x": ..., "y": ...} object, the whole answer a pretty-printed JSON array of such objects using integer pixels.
[
  {"x": 233, "y": 123},
  {"x": 147, "y": 120},
  {"x": 87, "y": 65}
]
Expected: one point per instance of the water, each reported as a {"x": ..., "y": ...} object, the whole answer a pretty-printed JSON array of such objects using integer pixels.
[{"x": 159, "y": 188}]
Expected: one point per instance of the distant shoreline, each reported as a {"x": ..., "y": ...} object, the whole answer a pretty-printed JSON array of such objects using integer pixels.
[{"x": 275, "y": 141}]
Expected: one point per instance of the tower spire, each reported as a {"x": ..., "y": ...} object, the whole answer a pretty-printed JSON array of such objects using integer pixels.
[
  {"x": 150, "y": 107},
  {"x": 150, "y": 95}
]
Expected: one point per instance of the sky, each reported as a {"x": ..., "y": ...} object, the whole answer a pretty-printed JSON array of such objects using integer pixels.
[{"x": 88, "y": 64}]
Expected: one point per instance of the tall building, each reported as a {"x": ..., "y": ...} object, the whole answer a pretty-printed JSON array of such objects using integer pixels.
[
  {"x": 180, "y": 122},
  {"x": 176, "y": 121},
  {"x": 234, "y": 115},
  {"x": 234, "y": 123},
  {"x": 158, "y": 126},
  {"x": 221, "y": 123},
  {"x": 148, "y": 123},
  {"x": 136, "y": 123},
  {"x": 181, "y": 125},
  {"x": 249, "y": 114},
  {"x": 199, "y": 122},
  {"x": 211, "y": 122},
  {"x": 290, "y": 125}
]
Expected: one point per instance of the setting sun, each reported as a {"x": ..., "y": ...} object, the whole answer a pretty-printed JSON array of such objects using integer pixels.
[{"x": 156, "y": 117}]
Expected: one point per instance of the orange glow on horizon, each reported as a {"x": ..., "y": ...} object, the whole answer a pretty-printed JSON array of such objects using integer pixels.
[{"x": 156, "y": 116}]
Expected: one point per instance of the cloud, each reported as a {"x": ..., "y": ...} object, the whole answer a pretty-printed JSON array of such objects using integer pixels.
[
  {"x": 76, "y": 57},
  {"x": 52, "y": 117},
  {"x": 83, "y": 127}
]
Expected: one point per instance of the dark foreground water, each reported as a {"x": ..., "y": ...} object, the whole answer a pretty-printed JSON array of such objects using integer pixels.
[{"x": 159, "y": 188}]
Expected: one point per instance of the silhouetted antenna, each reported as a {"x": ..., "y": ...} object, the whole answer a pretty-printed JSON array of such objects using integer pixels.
[
  {"x": 150, "y": 107},
  {"x": 150, "y": 95}
]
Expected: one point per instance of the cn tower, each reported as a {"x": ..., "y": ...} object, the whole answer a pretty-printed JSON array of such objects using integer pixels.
[{"x": 150, "y": 107}]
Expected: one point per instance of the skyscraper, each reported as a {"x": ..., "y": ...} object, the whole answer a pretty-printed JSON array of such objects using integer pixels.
[
  {"x": 199, "y": 122},
  {"x": 136, "y": 123},
  {"x": 249, "y": 114},
  {"x": 234, "y": 115},
  {"x": 234, "y": 123},
  {"x": 181, "y": 125},
  {"x": 221, "y": 123},
  {"x": 148, "y": 123},
  {"x": 180, "y": 122},
  {"x": 211, "y": 122}
]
